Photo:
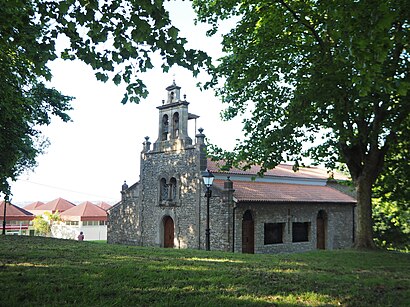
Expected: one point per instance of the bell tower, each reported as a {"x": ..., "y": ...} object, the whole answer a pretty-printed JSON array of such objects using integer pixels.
[{"x": 173, "y": 121}]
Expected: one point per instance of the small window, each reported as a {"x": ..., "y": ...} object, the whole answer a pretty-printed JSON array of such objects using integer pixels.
[
  {"x": 172, "y": 189},
  {"x": 300, "y": 232},
  {"x": 273, "y": 233},
  {"x": 72, "y": 223},
  {"x": 175, "y": 132},
  {"x": 165, "y": 124},
  {"x": 163, "y": 190}
]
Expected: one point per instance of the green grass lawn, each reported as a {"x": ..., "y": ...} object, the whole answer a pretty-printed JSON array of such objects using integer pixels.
[{"x": 37, "y": 271}]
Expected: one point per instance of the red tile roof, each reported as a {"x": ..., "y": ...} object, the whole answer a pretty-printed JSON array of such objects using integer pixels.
[
  {"x": 59, "y": 204},
  {"x": 34, "y": 206},
  {"x": 281, "y": 170},
  {"x": 251, "y": 191},
  {"x": 104, "y": 205},
  {"x": 86, "y": 211},
  {"x": 14, "y": 213}
]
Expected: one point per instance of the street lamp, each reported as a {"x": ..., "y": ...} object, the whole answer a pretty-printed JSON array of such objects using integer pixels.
[
  {"x": 208, "y": 180},
  {"x": 6, "y": 200}
]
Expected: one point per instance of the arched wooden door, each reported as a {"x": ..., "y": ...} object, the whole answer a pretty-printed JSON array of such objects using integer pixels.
[
  {"x": 248, "y": 233},
  {"x": 321, "y": 230},
  {"x": 168, "y": 232}
]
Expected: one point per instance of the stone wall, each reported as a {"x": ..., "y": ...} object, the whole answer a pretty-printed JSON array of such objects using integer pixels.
[
  {"x": 220, "y": 222},
  {"x": 338, "y": 229},
  {"x": 123, "y": 220},
  {"x": 184, "y": 167}
]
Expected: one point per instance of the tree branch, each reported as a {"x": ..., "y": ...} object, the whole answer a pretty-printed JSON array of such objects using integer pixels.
[{"x": 297, "y": 16}]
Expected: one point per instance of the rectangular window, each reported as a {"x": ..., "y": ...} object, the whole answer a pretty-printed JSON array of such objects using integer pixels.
[
  {"x": 273, "y": 233},
  {"x": 93, "y": 223},
  {"x": 72, "y": 223},
  {"x": 300, "y": 232}
]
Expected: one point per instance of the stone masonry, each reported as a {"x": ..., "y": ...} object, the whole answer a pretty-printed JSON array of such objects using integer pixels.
[{"x": 167, "y": 207}]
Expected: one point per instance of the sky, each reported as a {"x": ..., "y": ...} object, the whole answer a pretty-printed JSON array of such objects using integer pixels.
[{"x": 90, "y": 157}]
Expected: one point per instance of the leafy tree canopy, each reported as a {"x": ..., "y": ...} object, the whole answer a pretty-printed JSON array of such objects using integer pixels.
[
  {"x": 334, "y": 74},
  {"x": 391, "y": 212},
  {"x": 117, "y": 38}
]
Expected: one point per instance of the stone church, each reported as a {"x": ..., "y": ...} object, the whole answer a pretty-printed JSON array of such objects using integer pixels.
[{"x": 283, "y": 211}]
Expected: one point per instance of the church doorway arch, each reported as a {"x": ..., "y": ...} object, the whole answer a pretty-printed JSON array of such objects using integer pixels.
[
  {"x": 168, "y": 224},
  {"x": 321, "y": 222},
  {"x": 248, "y": 233}
]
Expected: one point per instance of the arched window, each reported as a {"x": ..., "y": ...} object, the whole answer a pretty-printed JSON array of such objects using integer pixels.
[
  {"x": 163, "y": 190},
  {"x": 175, "y": 123},
  {"x": 173, "y": 189},
  {"x": 165, "y": 127}
]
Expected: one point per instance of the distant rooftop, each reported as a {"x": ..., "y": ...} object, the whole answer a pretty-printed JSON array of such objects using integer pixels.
[
  {"x": 14, "y": 213},
  {"x": 86, "y": 211}
]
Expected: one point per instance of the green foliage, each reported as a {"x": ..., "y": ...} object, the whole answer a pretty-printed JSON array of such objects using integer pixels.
[
  {"x": 117, "y": 38},
  {"x": 86, "y": 273},
  {"x": 332, "y": 74},
  {"x": 391, "y": 225},
  {"x": 391, "y": 212},
  {"x": 41, "y": 226},
  {"x": 53, "y": 218},
  {"x": 25, "y": 102}
]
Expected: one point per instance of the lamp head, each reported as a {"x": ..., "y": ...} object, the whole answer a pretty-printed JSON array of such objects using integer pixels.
[{"x": 208, "y": 178}]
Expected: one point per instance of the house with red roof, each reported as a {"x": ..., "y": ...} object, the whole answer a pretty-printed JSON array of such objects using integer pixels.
[
  {"x": 58, "y": 204},
  {"x": 85, "y": 217},
  {"x": 285, "y": 210},
  {"x": 18, "y": 220},
  {"x": 34, "y": 205},
  {"x": 104, "y": 205}
]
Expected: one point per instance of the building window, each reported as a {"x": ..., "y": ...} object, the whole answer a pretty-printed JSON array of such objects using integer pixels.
[
  {"x": 172, "y": 189},
  {"x": 163, "y": 195},
  {"x": 273, "y": 233},
  {"x": 71, "y": 223},
  {"x": 175, "y": 132},
  {"x": 165, "y": 124},
  {"x": 91, "y": 223},
  {"x": 300, "y": 232}
]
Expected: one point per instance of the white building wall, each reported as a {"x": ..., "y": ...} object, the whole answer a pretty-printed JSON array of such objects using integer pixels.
[{"x": 91, "y": 233}]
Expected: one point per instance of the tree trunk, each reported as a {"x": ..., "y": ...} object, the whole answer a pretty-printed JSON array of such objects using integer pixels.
[{"x": 364, "y": 228}]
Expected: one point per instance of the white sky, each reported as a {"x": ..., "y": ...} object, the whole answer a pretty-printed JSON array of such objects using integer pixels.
[{"x": 89, "y": 158}]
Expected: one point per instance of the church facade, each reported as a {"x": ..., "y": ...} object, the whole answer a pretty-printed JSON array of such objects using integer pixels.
[{"x": 284, "y": 211}]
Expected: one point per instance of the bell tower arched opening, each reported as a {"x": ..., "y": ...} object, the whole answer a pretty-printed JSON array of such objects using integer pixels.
[
  {"x": 165, "y": 127},
  {"x": 175, "y": 125}
]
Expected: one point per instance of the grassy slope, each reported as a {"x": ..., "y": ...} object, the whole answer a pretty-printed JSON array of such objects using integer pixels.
[{"x": 44, "y": 271}]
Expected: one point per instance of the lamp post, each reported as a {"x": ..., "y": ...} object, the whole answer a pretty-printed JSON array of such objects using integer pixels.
[
  {"x": 6, "y": 199},
  {"x": 208, "y": 180}
]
